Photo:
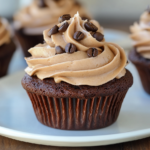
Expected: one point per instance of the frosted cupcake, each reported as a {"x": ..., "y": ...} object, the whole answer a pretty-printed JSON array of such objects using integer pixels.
[
  {"x": 76, "y": 80},
  {"x": 7, "y": 47},
  {"x": 31, "y": 21},
  {"x": 140, "y": 55}
]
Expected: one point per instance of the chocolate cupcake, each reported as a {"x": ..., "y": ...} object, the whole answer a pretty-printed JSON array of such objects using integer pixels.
[
  {"x": 31, "y": 21},
  {"x": 76, "y": 80},
  {"x": 140, "y": 55},
  {"x": 7, "y": 47}
]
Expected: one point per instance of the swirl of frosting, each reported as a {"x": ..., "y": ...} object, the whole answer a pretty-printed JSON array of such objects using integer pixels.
[
  {"x": 141, "y": 35},
  {"x": 77, "y": 68},
  {"x": 36, "y": 19},
  {"x": 4, "y": 32}
]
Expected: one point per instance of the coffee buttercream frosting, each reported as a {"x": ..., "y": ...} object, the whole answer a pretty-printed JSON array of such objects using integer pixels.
[
  {"x": 77, "y": 68},
  {"x": 141, "y": 35},
  {"x": 35, "y": 18},
  {"x": 4, "y": 32}
]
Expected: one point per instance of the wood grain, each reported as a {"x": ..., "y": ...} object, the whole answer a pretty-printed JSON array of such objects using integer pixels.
[{"x": 9, "y": 144}]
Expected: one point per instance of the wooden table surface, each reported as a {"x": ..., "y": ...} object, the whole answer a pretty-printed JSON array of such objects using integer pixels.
[
  {"x": 9, "y": 144},
  {"x": 144, "y": 144}
]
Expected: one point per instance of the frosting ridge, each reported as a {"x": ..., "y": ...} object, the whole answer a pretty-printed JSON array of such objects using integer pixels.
[
  {"x": 140, "y": 34},
  {"x": 4, "y": 32},
  {"x": 36, "y": 19},
  {"x": 77, "y": 68}
]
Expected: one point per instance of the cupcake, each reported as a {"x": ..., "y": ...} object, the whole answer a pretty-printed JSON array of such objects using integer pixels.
[
  {"x": 7, "y": 47},
  {"x": 140, "y": 55},
  {"x": 31, "y": 21},
  {"x": 76, "y": 80}
]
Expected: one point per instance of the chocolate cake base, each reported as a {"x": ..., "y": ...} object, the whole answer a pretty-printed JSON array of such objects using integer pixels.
[
  {"x": 6, "y": 53},
  {"x": 69, "y": 107},
  {"x": 28, "y": 41},
  {"x": 143, "y": 66}
]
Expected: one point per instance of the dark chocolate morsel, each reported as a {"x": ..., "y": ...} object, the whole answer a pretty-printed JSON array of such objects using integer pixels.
[
  {"x": 78, "y": 35},
  {"x": 90, "y": 27},
  {"x": 102, "y": 48},
  {"x": 85, "y": 18},
  {"x": 92, "y": 52},
  {"x": 59, "y": 50},
  {"x": 70, "y": 48},
  {"x": 41, "y": 3},
  {"x": 98, "y": 36},
  {"x": 63, "y": 27},
  {"x": 64, "y": 17},
  {"x": 53, "y": 30}
]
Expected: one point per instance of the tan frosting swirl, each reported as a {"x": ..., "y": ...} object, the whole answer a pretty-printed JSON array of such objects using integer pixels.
[
  {"x": 76, "y": 68},
  {"x": 35, "y": 19},
  {"x": 4, "y": 32},
  {"x": 141, "y": 35}
]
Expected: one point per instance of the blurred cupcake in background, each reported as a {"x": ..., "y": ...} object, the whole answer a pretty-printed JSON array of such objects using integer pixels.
[
  {"x": 7, "y": 46},
  {"x": 140, "y": 55},
  {"x": 31, "y": 21}
]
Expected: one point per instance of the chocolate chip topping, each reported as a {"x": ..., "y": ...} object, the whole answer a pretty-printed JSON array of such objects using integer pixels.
[
  {"x": 102, "y": 48},
  {"x": 78, "y": 35},
  {"x": 59, "y": 50},
  {"x": 41, "y": 3},
  {"x": 85, "y": 18},
  {"x": 92, "y": 52},
  {"x": 98, "y": 36},
  {"x": 63, "y": 27},
  {"x": 53, "y": 30},
  {"x": 64, "y": 17},
  {"x": 70, "y": 48},
  {"x": 90, "y": 27}
]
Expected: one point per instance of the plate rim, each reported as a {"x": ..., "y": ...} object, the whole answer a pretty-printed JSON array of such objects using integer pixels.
[{"x": 76, "y": 141}]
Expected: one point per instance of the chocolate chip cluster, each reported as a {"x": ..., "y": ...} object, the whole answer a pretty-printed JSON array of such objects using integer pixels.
[
  {"x": 42, "y": 4},
  {"x": 71, "y": 48}
]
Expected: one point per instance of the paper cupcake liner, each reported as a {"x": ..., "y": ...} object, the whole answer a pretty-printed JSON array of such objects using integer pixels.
[
  {"x": 142, "y": 67},
  {"x": 77, "y": 114},
  {"x": 28, "y": 41},
  {"x": 144, "y": 73},
  {"x": 4, "y": 63}
]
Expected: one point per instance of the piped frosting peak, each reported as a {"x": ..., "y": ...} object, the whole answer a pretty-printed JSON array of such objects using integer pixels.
[
  {"x": 140, "y": 34},
  {"x": 78, "y": 55}
]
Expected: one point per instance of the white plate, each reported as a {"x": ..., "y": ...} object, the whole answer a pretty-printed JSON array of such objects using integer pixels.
[
  {"x": 119, "y": 37},
  {"x": 18, "y": 121}
]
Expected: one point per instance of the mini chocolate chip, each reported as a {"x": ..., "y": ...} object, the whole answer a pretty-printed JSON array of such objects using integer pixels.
[
  {"x": 77, "y": 3},
  {"x": 92, "y": 52},
  {"x": 90, "y": 27},
  {"x": 102, "y": 48},
  {"x": 41, "y": 3},
  {"x": 78, "y": 35},
  {"x": 98, "y": 36},
  {"x": 59, "y": 50},
  {"x": 85, "y": 18},
  {"x": 64, "y": 17},
  {"x": 70, "y": 48},
  {"x": 53, "y": 30},
  {"x": 63, "y": 27}
]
